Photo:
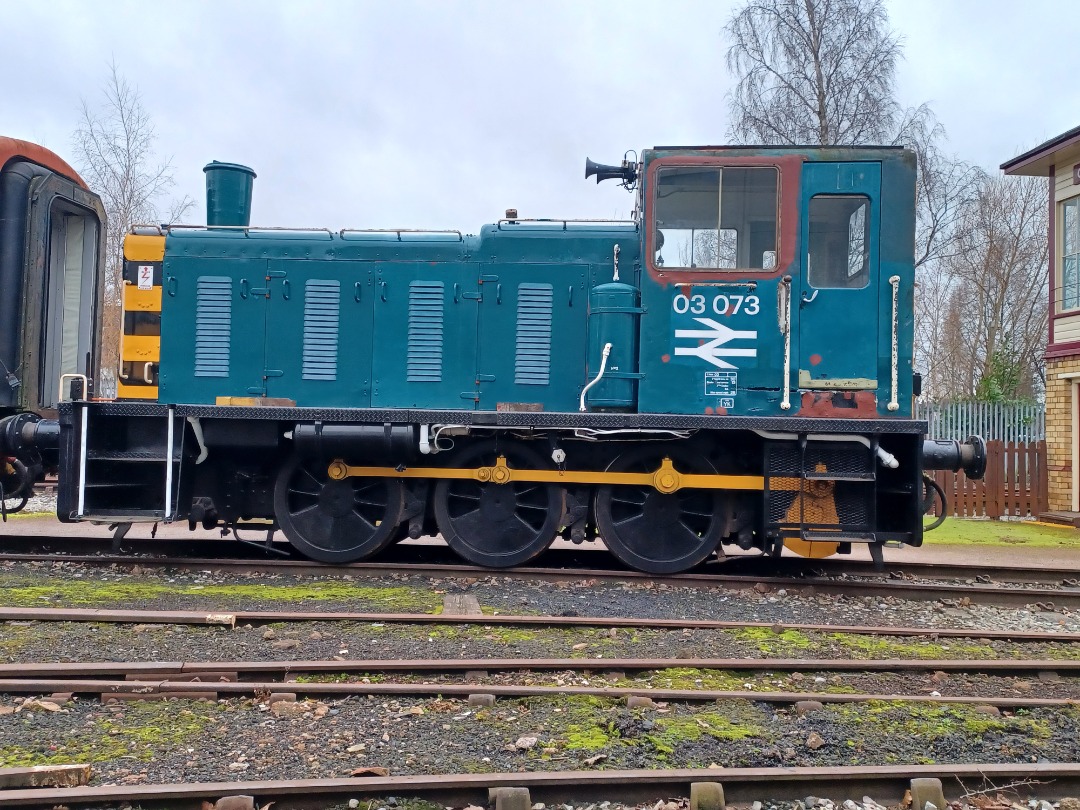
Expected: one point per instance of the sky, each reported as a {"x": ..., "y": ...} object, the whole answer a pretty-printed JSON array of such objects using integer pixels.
[{"x": 444, "y": 114}]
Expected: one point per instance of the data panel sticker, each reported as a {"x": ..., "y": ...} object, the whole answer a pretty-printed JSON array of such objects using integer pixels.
[{"x": 721, "y": 383}]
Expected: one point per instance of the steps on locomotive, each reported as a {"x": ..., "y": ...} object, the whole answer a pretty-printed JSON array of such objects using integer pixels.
[
  {"x": 127, "y": 466},
  {"x": 821, "y": 491}
]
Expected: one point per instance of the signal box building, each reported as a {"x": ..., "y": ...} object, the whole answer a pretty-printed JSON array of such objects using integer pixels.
[{"x": 1059, "y": 160}]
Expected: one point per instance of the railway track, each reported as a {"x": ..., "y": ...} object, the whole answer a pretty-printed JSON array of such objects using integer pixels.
[
  {"x": 262, "y": 617},
  {"x": 421, "y": 667},
  {"x": 887, "y": 784},
  {"x": 213, "y": 679},
  {"x": 1006, "y": 587}
]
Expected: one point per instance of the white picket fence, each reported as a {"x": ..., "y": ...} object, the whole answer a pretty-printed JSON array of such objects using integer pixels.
[{"x": 994, "y": 421}]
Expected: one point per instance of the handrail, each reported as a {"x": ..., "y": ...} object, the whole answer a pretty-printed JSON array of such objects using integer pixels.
[
  {"x": 165, "y": 228},
  {"x": 400, "y": 231},
  {"x": 565, "y": 222}
]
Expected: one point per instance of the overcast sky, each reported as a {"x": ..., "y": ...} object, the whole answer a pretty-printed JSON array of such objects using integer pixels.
[{"x": 443, "y": 114}]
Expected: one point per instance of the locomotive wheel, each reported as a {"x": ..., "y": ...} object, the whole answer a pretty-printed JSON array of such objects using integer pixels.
[
  {"x": 654, "y": 532},
  {"x": 498, "y": 525},
  {"x": 336, "y": 521}
]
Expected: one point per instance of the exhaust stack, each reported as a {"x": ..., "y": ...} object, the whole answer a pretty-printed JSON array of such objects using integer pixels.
[{"x": 228, "y": 194}]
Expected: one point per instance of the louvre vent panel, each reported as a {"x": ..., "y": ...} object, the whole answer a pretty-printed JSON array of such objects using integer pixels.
[
  {"x": 532, "y": 360},
  {"x": 213, "y": 325},
  {"x": 426, "y": 315},
  {"x": 322, "y": 308}
]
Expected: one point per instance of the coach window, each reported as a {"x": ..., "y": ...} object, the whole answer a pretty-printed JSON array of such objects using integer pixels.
[
  {"x": 839, "y": 248},
  {"x": 716, "y": 218}
]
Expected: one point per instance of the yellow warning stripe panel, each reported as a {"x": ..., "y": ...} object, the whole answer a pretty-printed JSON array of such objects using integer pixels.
[
  {"x": 140, "y": 349},
  {"x": 256, "y": 402},
  {"x": 136, "y": 300},
  {"x": 139, "y": 248},
  {"x": 135, "y": 391}
]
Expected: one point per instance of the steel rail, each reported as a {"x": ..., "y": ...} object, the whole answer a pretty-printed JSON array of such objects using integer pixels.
[
  {"x": 163, "y": 688},
  {"x": 1000, "y": 595},
  {"x": 561, "y": 561},
  {"x": 428, "y": 666},
  {"x": 887, "y": 783},
  {"x": 261, "y": 617}
]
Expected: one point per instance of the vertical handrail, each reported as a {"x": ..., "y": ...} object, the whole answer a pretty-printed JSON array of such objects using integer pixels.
[
  {"x": 169, "y": 465},
  {"x": 894, "y": 403},
  {"x": 783, "y": 317},
  {"x": 81, "y": 510}
]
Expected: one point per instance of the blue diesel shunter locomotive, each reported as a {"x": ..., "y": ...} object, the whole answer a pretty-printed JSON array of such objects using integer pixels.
[{"x": 733, "y": 365}]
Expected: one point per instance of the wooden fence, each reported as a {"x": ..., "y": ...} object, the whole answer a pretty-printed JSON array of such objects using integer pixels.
[{"x": 1015, "y": 483}]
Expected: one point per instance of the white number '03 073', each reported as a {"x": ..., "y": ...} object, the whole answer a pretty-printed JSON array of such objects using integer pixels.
[{"x": 721, "y": 304}]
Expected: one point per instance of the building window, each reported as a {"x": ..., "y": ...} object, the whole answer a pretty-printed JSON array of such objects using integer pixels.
[
  {"x": 718, "y": 218},
  {"x": 1070, "y": 254}
]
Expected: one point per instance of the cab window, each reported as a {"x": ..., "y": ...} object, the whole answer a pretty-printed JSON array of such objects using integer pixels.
[
  {"x": 838, "y": 256},
  {"x": 716, "y": 218}
]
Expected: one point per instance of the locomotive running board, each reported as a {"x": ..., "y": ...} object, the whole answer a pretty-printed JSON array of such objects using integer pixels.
[{"x": 665, "y": 479}]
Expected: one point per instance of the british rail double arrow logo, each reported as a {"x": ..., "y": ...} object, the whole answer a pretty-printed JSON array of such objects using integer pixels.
[{"x": 715, "y": 337}]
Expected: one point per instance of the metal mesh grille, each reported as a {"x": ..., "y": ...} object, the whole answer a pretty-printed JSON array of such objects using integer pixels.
[
  {"x": 213, "y": 325},
  {"x": 426, "y": 305},
  {"x": 532, "y": 360},
  {"x": 322, "y": 306}
]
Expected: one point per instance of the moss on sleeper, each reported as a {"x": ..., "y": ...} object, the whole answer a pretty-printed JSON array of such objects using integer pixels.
[
  {"x": 143, "y": 732},
  {"x": 27, "y": 592},
  {"x": 13, "y": 637},
  {"x": 769, "y": 642},
  {"x": 933, "y": 721},
  {"x": 690, "y": 678},
  {"x": 729, "y": 722},
  {"x": 863, "y": 646}
]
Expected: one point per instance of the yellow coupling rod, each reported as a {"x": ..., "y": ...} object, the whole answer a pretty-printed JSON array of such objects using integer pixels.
[{"x": 665, "y": 479}]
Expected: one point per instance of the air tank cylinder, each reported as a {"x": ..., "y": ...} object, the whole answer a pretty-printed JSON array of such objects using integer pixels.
[
  {"x": 614, "y": 314},
  {"x": 228, "y": 194}
]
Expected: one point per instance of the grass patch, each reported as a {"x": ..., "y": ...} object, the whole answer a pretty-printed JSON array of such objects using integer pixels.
[{"x": 962, "y": 532}]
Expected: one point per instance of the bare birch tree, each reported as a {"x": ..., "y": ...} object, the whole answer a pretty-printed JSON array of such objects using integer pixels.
[
  {"x": 995, "y": 326},
  {"x": 114, "y": 152},
  {"x": 813, "y": 72}
]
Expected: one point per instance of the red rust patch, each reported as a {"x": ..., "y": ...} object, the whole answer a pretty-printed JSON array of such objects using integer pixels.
[
  {"x": 665, "y": 358},
  {"x": 709, "y": 409},
  {"x": 815, "y": 359},
  {"x": 839, "y": 404}
]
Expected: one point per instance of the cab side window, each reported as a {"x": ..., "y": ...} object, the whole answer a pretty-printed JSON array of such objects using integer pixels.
[
  {"x": 716, "y": 218},
  {"x": 838, "y": 256}
]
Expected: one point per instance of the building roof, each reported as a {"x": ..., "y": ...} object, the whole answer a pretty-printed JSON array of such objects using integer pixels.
[{"x": 1037, "y": 162}]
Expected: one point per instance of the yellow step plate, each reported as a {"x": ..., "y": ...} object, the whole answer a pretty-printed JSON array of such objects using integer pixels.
[
  {"x": 144, "y": 248},
  {"x": 136, "y": 300},
  {"x": 140, "y": 348}
]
